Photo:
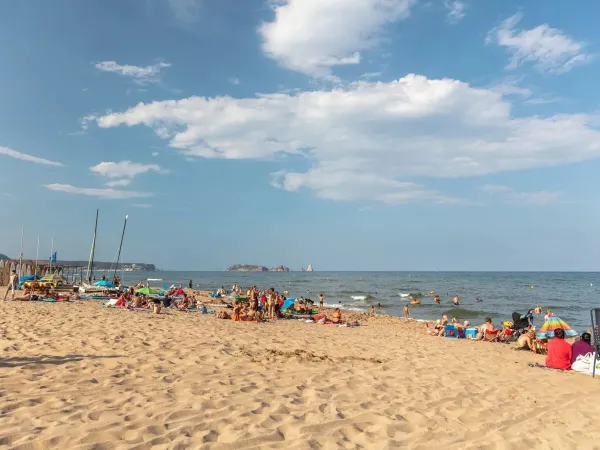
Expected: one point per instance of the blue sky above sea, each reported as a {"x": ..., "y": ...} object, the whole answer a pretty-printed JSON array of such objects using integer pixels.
[{"x": 351, "y": 135}]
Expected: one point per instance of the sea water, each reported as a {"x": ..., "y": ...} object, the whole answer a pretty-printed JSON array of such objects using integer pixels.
[{"x": 569, "y": 295}]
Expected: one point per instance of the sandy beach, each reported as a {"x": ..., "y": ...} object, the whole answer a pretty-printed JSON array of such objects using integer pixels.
[{"x": 81, "y": 376}]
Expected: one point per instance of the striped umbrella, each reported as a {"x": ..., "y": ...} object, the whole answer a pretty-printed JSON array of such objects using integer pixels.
[{"x": 551, "y": 325}]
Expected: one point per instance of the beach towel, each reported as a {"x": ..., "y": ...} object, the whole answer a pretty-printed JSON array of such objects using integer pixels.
[
  {"x": 49, "y": 300},
  {"x": 111, "y": 303}
]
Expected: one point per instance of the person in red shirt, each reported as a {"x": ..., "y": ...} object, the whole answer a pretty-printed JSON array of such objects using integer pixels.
[{"x": 559, "y": 352}]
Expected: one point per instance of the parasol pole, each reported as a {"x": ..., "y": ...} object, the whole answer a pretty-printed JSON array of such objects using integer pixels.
[{"x": 37, "y": 254}]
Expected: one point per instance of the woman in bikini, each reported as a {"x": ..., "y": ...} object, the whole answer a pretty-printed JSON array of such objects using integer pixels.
[{"x": 336, "y": 317}]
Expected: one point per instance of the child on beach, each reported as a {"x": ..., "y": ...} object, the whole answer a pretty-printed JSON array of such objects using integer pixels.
[
  {"x": 321, "y": 300},
  {"x": 407, "y": 312},
  {"x": 372, "y": 310}
]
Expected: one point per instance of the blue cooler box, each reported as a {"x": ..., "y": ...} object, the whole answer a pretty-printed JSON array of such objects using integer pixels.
[{"x": 471, "y": 333}]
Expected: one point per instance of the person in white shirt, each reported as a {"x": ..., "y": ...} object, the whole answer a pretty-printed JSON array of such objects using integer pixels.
[{"x": 11, "y": 285}]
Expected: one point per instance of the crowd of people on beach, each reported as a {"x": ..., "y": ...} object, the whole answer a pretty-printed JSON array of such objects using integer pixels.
[
  {"x": 522, "y": 332},
  {"x": 268, "y": 304}
]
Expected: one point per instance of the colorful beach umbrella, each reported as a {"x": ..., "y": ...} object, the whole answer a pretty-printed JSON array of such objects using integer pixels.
[
  {"x": 147, "y": 291},
  {"x": 104, "y": 283},
  {"x": 551, "y": 325}
]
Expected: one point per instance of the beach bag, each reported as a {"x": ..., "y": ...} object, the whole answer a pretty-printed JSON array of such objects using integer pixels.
[
  {"x": 582, "y": 363},
  {"x": 593, "y": 361}
]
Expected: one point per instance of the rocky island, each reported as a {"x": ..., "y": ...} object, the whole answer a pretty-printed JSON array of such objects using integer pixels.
[{"x": 254, "y": 268}]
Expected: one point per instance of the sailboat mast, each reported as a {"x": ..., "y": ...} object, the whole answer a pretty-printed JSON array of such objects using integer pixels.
[
  {"x": 120, "y": 247},
  {"x": 21, "y": 255},
  {"x": 90, "y": 268}
]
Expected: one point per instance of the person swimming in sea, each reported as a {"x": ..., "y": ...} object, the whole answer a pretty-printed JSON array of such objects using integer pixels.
[
  {"x": 436, "y": 299},
  {"x": 456, "y": 301},
  {"x": 478, "y": 300}
]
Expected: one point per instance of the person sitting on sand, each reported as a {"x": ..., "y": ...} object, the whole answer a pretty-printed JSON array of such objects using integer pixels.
[
  {"x": 439, "y": 327},
  {"x": 527, "y": 340},
  {"x": 222, "y": 315},
  {"x": 559, "y": 351},
  {"x": 435, "y": 330},
  {"x": 236, "y": 316},
  {"x": 582, "y": 347},
  {"x": 183, "y": 304},
  {"x": 486, "y": 327},
  {"x": 456, "y": 301},
  {"x": 460, "y": 326},
  {"x": 336, "y": 316},
  {"x": 137, "y": 301}
]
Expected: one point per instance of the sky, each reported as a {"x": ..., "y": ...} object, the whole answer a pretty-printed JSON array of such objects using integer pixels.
[{"x": 346, "y": 134}]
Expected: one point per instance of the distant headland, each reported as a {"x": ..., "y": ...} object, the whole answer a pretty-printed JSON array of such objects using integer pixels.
[
  {"x": 99, "y": 265},
  {"x": 254, "y": 268}
]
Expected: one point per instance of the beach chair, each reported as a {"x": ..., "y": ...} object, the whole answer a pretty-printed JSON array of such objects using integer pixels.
[
  {"x": 491, "y": 336},
  {"x": 451, "y": 332}
]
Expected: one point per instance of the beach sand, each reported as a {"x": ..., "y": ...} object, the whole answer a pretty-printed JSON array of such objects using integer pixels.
[{"x": 81, "y": 376}]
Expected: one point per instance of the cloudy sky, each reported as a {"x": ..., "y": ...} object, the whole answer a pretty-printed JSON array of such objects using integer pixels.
[{"x": 349, "y": 134}]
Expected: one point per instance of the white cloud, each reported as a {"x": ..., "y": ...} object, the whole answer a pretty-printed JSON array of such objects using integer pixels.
[
  {"x": 370, "y": 75},
  {"x": 372, "y": 140},
  {"x": 108, "y": 193},
  {"x": 155, "y": 153},
  {"x": 141, "y": 75},
  {"x": 115, "y": 183},
  {"x": 313, "y": 36},
  {"x": 125, "y": 171},
  {"x": 536, "y": 198},
  {"x": 456, "y": 10},
  {"x": 542, "y": 100},
  {"x": 235, "y": 81},
  {"x": 549, "y": 49},
  {"x": 141, "y": 205},
  {"x": 510, "y": 86},
  {"x": 24, "y": 157}
]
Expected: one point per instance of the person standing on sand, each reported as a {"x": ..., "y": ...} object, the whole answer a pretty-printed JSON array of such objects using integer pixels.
[
  {"x": 11, "y": 284},
  {"x": 407, "y": 312},
  {"x": 191, "y": 284},
  {"x": 372, "y": 310},
  {"x": 321, "y": 300}
]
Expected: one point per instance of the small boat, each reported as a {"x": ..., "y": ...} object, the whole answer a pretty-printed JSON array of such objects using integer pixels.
[
  {"x": 415, "y": 302},
  {"x": 154, "y": 279}
]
